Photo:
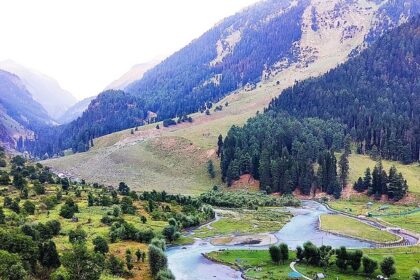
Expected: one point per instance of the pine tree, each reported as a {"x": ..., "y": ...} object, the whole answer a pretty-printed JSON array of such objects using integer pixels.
[
  {"x": 344, "y": 169},
  {"x": 264, "y": 171},
  {"x": 367, "y": 180},
  {"x": 219, "y": 145},
  {"x": 210, "y": 169},
  {"x": 359, "y": 186},
  {"x": 397, "y": 186}
]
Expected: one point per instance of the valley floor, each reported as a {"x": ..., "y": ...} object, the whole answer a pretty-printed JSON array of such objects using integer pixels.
[{"x": 257, "y": 264}]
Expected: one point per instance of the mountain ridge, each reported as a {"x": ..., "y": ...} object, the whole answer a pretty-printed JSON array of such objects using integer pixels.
[{"x": 218, "y": 63}]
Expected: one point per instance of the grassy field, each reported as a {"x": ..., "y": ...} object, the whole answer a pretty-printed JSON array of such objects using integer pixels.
[
  {"x": 359, "y": 163},
  {"x": 358, "y": 206},
  {"x": 245, "y": 222},
  {"x": 391, "y": 213},
  {"x": 248, "y": 260},
  {"x": 166, "y": 163},
  {"x": 410, "y": 222},
  {"x": 351, "y": 227}
]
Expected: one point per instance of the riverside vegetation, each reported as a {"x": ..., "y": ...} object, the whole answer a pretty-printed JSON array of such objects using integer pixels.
[
  {"x": 342, "y": 263},
  {"x": 54, "y": 228}
]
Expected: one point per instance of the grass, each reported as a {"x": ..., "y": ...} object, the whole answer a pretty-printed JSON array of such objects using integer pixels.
[
  {"x": 167, "y": 163},
  {"x": 359, "y": 163},
  {"x": 406, "y": 259},
  {"x": 351, "y": 227},
  {"x": 358, "y": 206},
  {"x": 246, "y": 222},
  {"x": 410, "y": 222},
  {"x": 250, "y": 259}
]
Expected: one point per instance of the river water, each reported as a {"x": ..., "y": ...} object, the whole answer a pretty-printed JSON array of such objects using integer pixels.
[{"x": 187, "y": 263}]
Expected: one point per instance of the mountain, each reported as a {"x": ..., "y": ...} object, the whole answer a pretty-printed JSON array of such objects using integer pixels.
[
  {"x": 134, "y": 74},
  {"x": 256, "y": 45},
  {"x": 376, "y": 95},
  {"x": 44, "y": 89},
  {"x": 20, "y": 114},
  {"x": 373, "y": 99},
  {"x": 75, "y": 111}
]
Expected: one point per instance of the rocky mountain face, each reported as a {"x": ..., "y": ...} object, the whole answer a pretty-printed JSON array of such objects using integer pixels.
[
  {"x": 252, "y": 46},
  {"x": 44, "y": 89}
]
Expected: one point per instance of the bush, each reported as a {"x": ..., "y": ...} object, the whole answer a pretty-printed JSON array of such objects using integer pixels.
[
  {"x": 115, "y": 266},
  {"x": 168, "y": 122},
  {"x": 77, "y": 236},
  {"x": 388, "y": 266},
  {"x": 369, "y": 265},
  {"x": 100, "y": 245},
  {"x": 29, "y": 207},
  {"x": 165, "y": 274},
  {"x": 157, "y": 259}
]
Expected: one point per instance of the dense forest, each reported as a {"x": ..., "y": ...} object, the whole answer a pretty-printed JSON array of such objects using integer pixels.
[
  {"x": 376, "y": 95},
  {"x": 281, "y": 151}
]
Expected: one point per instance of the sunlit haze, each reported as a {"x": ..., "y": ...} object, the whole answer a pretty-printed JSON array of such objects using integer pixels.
[{"x": 85, "y": 45}]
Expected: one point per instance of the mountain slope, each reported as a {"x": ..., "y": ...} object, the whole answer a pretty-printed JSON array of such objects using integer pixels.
[
  {"x": 45, "y": 90},
  {"x": 20, "y": 114},
  {"x": 376, "y": 94},
  {"x": 258, "y": 44},
  {"x": 135, "y": 73},
  {"x": 75, "y": 111},
  {"x": 374, "y": 97}
]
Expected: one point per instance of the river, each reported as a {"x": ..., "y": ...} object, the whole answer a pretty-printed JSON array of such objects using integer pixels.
[{"x": 187, "y": 262}]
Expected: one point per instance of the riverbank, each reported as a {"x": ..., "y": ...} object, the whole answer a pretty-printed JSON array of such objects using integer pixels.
[
  {"x": 352, "y": 227},
  {"x": 257, "y": 264}
]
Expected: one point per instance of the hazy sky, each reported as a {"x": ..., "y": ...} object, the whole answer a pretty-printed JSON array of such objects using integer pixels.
[{"x": 86, "y": 44}]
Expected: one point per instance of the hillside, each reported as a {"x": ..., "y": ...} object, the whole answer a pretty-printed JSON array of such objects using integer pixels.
[
  {"x": 287, "y": 34},
  {"x": 20, "y": 114},
  {"x": 110, "y": 152},
  {"x": 44, "y": 89},
  {"x": 370, "y": 99},
  {"x": 376, "y": 95}
]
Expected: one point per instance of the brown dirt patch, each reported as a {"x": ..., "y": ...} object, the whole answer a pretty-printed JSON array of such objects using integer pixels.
[
  {"x": 141, "y": 271},
  {"x": 246, "y": 182}
]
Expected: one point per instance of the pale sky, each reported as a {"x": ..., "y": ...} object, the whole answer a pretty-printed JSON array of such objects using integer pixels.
[{"x": 86, "y": 44}]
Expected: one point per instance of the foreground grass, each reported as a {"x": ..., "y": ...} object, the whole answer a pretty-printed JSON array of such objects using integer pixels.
[
  {"x": 245, "y": 222},
  {"x": 248, "y": 260},
  {"x": 351, "y": 227}
]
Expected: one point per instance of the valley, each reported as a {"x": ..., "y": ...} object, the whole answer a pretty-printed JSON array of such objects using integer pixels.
[{"x": 281, "y": 143}]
